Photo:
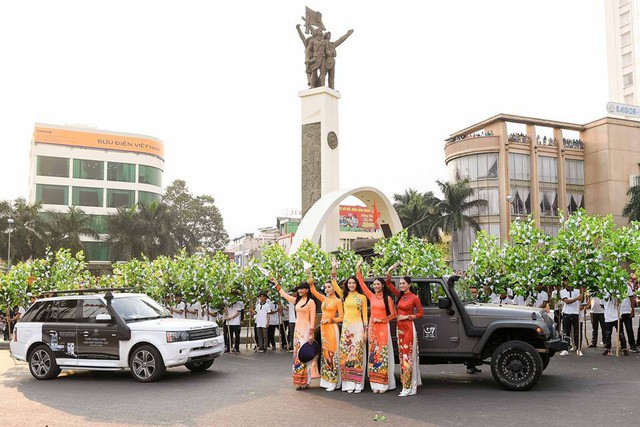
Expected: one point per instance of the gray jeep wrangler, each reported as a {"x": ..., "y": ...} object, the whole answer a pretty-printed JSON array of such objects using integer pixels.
[{"x": 518, "y": 342}]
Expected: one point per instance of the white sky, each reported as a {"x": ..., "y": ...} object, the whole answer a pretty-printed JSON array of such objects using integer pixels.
[{"x": 218, "y": 82}]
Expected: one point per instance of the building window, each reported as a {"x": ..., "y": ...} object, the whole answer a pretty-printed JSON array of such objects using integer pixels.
[
  {"x": 474, "y": 167},
  {"x": 519, "y": 167},
  {"x": 87, "y": 196},
  {"x": 548, "y": 203},
  {"x": 629, "y": 99},
  {"x": 492, "y": 196},
  {"x": 120, "y": 198},
  {"x": 96, "y": 251},
  {"x": 146, "y": 198},
  {"x": 626, "y": 59},
  {"x": 575, "y": 201},
  {"x": 520, "y": 201},
  {"x": 149, "y": 175},
  {"x": 53, "y": 166},
  {"x": 52, "y": 194},
  {"x": 88, "y": 169},
  {"x": 627, "y": 79},
  {"x": 123, "y": 172},
  {"x": 550, "y": 229},
  {"x": 547, "y": 169},
  {"x": 625, "y": 39},
  {"x": 574, "y": 171},
  {"x": 625, "y": 19},
  {"x": 99, "y": 223}
]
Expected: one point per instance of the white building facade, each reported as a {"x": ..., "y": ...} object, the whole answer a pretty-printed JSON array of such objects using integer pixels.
[
  {"x": 623, "y": 54},
  {"x": 96, "y": 171}
]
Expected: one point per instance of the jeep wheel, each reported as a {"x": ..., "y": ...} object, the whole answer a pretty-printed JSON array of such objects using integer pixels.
[
  {"x": 516, "y": 365},
  {"x": 545, "y": 360},
  {"x": 42, "y": 363},
  {"x": 199, "y": 366},
  {"x": 146, "y": 364}
]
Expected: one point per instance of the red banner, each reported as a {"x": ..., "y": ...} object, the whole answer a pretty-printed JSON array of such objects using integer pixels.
[{"x": 357, "y": 218}]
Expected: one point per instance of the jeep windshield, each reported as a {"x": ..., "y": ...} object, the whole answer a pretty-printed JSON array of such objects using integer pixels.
[{"x": 133, "y": 309}]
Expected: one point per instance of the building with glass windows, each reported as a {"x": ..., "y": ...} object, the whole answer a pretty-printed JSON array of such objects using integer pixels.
[
  {"x": 522, "y": 166},
  {"x": 97, "y": 171},
  {"x": 622, "y": 24}
]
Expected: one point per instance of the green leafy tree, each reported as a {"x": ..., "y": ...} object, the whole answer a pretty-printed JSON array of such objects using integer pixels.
[
  {"x": 28, "y": 239},
  {"x": 197, "y": 214}
]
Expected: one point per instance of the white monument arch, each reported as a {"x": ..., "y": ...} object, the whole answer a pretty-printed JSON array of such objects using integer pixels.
[{"x": 315, "y": 220}]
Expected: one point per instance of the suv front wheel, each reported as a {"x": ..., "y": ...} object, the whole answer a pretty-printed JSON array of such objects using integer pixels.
[
  {"x": 146, "y": 364},
  {"x": 516, "y": 365},
  {"x": 42, "y": 363}
]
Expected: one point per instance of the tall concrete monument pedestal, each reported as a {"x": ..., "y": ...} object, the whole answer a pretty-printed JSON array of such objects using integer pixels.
[{"x": 320, "y": 161}]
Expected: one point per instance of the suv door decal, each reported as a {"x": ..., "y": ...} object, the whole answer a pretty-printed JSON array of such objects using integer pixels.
[{"x": 59, "y": 331}]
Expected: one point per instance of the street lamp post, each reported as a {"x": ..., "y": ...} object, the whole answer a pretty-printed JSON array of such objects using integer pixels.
[{"x": 9, "y": 231}]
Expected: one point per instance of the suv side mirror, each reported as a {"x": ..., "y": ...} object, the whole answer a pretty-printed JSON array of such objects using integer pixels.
[
  {"x": 444, "y": 303},
  {"x": 103, "y": 318}
]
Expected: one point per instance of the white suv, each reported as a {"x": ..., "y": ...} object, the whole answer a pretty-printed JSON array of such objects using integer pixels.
[{"x": 111, "y": 331}]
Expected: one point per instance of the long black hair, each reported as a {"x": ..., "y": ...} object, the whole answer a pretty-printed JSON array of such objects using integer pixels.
[
  {"x": 303, "y": 285},
  {"x": 385, "y": 294},
  {"x": 345, "y": 286}
]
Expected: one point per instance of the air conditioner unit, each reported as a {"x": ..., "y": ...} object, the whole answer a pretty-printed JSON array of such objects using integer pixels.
[{"x": 634, "y": 180}]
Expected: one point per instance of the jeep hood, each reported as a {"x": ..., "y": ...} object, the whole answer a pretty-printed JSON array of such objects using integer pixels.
[
  {"x": 168, "y": 324},
  {"x": 502, "y": 312}
]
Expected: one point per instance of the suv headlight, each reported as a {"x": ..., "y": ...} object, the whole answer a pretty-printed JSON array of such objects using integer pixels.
[
  {"x": 177, "y": 336},
  {"x": 216, "y": 331}
]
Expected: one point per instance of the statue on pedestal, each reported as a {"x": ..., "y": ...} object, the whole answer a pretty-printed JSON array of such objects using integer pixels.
[{"x": 320, "y": 51}]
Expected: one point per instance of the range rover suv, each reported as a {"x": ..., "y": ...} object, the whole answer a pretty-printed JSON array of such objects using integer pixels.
[{"x": 111, "y": 331}]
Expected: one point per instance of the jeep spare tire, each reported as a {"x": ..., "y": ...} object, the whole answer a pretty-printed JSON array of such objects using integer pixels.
[{"x": 516, "y": 365}]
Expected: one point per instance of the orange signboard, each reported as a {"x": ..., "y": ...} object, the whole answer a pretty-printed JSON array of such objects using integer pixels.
[{"x": 100, "y": 140}]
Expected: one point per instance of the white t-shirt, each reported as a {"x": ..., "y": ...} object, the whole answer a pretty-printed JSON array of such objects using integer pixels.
[
  {"x": 495, "y": 299},
  {"x": 180, "y": 306},
  {"x": 597, "y": 305},
  {"x": 625, "y": 305},
  {"x": 571, "y": 308},
  {"x": 292, "y": 313},
  {"x": 232, "y": 310},
  {"x": 210, "y": 317},
  {"x": 518, "y": 300},
  {"x": 198, "y": 308},
  {"x": 610, "y": 310},
  {"x": 274, "y": 318},
  {"x": 540, "y": 298},
  {"x": 262, "y": 314}
]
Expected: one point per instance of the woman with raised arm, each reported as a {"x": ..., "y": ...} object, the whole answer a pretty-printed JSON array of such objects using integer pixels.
[
  {"x": 332, "y": 314},
  {"x": 305, "y": 324},
  {"x": 380, "y": 366},
  {"x": 409, "y": 309},
  {"x": 353, "y": 337}
]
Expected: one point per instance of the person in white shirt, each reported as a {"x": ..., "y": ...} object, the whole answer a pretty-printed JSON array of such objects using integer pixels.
[
  {"x": 274, "y": 323},
  {"x": 261, "y": 312},
  {"x": 557, "y": 306},
  {"x": 178, "y": 311},
  {"x": 627, "y": 313},
  {"x": 596, "y": 308},
  {"x": 193, "y": 311},
  {"x": 502, "y": 299},
  {"x": 292, "y": 319},
  {"x": 571, "y": 298},
  {"x": 611, "y": 323},
  {"x": 540, "y": 297},
  {"x": 233, "y": 318}
]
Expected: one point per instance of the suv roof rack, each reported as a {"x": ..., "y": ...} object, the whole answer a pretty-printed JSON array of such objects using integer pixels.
[{"x": 87, "y": 290}]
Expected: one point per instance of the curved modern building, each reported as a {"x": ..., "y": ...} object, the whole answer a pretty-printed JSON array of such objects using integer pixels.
[
  {"x": 95, "y": 170},
  {"x": 519, "y": 171}
]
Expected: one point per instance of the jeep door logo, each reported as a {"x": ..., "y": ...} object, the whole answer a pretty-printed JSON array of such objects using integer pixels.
[{"x": 429, "y": 332}]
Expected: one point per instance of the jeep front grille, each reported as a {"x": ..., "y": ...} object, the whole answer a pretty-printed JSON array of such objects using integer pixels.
[{"x": 201, "y": 334}]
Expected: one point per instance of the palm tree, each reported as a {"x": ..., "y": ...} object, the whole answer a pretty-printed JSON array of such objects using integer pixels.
[
  {"x": 632, "y": 208},
  {"x": 126, "y": 233},
  {"x": 453, "y": 210},
  {"x": 28, "y": 239},
  {"x": 162, "y": 235},
  {"x": 66, "y": 229},
  {"x": 417, "y": 212}
]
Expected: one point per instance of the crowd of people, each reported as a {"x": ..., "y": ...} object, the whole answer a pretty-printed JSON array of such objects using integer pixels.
[
  {"x": 473, "y": 135},
  {"x": 573, "y": 143},
  {"x": 570, "y": 308},
  {"x": 519, "y": 137},
  {"x": 546, "y": 141}
]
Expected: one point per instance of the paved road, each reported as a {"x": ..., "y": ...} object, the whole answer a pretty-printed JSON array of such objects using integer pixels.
[{"x": 255, "y": 389}]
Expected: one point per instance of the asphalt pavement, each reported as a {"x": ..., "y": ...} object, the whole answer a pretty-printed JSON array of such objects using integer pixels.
[{"x": 256, "y": 389}]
